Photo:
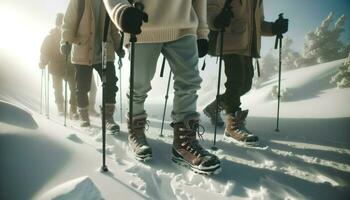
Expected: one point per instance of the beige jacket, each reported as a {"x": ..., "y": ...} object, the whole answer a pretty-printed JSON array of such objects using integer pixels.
[
  {"x": 239, "y": 37},
  {"x": 82, "y": 34},
  {"x": 50, "y": 53},
  {"x": 168, "y": 20}
]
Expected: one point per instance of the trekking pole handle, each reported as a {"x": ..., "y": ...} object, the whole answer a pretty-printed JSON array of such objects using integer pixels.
[
  {"x": 141, "y": 7},
  {"x": 278, "y": 36}
]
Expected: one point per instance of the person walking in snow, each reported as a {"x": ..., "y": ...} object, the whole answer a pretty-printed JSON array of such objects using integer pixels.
[
  {"x": 177, "y": 29},
  {"x": 244, "y": 25},
  {"x": 57, "y": 66},
  {"x": 82, "y": 31}
]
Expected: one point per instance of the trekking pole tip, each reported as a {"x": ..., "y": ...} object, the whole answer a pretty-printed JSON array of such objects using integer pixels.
[
  {"x": 104, "y": 169},
  {"x": 214, "y": 148}
]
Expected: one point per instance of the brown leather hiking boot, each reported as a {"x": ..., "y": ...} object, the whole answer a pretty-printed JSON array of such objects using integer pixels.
[
  {"x": 137, "y": 138},
  {"x": 110, "y": 123},
  {"x": 73, "y": 114},
  {"x": 188, "y": 152},
  {"x": 236, "y": 131},
  {"x": 210, "y": 111},
  {"x": 84, "y": 117}
]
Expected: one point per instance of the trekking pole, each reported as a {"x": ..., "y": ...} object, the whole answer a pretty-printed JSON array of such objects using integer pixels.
[
  {"x": 47, "y": 94},
  {"x": 120, "y": 63},
  {"x": 278, "y": 40},
  {"x": 133, "y": 40},
  {"x": 65, "y": 92},
  {"x": 166, "y": 100},
  {"x": 104, "y": 167},
  {"x": 41, "y": 91},
  {"x": 226, "y": 7}
]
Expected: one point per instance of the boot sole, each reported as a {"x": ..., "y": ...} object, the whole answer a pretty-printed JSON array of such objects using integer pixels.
[
  {"x": 113, "y": 132},
  {"x": 241, "y": 143},
  {"x": 141, "y": 158},
  {"x": 219, "y": 124},
  {"x": 216, "y": 169}
]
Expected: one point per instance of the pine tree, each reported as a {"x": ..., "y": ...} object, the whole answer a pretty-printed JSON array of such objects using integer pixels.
[
  {"x": 342, "y": 78},
  {"x": 289, "y": 56},
  {"x": 268, "y": 68},
  {"x": 323, "y": 44}
]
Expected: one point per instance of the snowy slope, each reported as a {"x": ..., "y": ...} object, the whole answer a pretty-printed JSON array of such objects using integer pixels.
[{"x": 308, "y": 159}]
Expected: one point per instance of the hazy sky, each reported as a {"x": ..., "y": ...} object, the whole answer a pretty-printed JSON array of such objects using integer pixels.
[
  {"x": 304, "y": 15},
  {"x": 25, "y": 23}
]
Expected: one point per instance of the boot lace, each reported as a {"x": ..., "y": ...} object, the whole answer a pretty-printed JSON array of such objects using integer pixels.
[
  {"x": 239, "y": 127},
  {"x": 189, "y": 140},
  {"x": 138, "y": 135}
]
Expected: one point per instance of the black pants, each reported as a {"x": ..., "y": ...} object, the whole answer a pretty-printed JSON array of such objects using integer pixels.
[
  {"x": 83, "y": 77},
  {"x": 239, "y": 71}
]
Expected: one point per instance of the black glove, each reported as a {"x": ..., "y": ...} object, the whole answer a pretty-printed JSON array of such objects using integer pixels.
[
  {"x": 65, "y": 48},
  {"x": 120, "y": 53},
  {"x": 223, "y": 19},
  {"x": 202, "y": 47},
  {"x": 131, "y": 20},
  {"x": 280, "y": 26}
]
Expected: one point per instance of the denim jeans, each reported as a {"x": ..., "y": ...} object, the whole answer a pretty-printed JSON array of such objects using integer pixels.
[{"x": 182, "y": 56}]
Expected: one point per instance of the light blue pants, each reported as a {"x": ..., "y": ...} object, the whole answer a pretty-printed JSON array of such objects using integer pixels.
[{"x": 182, "y": 56}]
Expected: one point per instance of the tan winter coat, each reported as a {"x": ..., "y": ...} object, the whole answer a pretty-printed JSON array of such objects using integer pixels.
[
  {"x": 50, "y": 53},
  {"x": 82, "y": 34},
  {"x": 168, "y": 20},
  {"x": 239, "y": 36}
]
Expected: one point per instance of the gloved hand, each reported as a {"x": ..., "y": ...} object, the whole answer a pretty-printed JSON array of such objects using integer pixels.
[
  {"x": 120, "y": 53},
  {"x": 223, "y": 19},
  {"x": 65, "y": 48},
  {"x": 41, "y": 65},
  {"x": 202, "y": 47},
  {"x": 131, "y": 20},
  {"x": 280, "y": 26}
]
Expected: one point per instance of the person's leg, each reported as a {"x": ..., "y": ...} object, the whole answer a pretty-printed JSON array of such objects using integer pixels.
[
  {"x": 235, "y": 74},
  {"x": 146, "y": 56},
  {"x": 57, "y": 86},
  {"x": 239, "y": 72},
  {"x": 83, "y": 80},
  {"x": 249, "y": 74},
  {"x": 73, "y": 93},
  {"x": 110, "y": 93},
  {"x": 182, "y": 56}
]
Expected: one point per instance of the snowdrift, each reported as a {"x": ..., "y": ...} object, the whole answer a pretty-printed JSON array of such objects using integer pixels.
[{"x": 308, "y": 159}]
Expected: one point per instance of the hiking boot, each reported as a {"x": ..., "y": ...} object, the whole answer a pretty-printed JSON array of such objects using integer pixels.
[
  {"x": 110, "y": 123},
  {"x": 188, "y": 152},
  {"x": 84, "y": 117},
  {"x": 60, "y": 109},
  {"x": 236, "y": 131},
  {"x": 93, "y": 111},
  {"x": 137, "y": 138},
  {"x": 73, "y": 114},
  {"x": 210, "y": 111}
]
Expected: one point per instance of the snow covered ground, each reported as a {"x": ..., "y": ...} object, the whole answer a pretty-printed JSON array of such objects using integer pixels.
[{"x": 308, "y": 159}]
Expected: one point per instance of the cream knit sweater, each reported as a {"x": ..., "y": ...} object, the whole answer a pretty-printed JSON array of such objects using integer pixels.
[{"x": 168, "y": 20}]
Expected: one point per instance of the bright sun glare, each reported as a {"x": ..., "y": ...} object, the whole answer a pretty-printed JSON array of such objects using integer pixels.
[{"x": 20, "y": 36}]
